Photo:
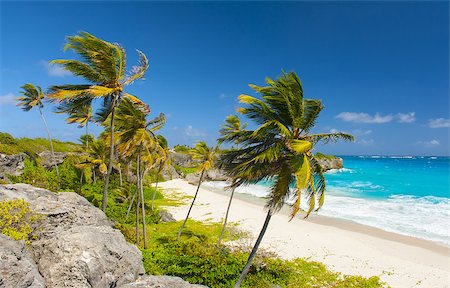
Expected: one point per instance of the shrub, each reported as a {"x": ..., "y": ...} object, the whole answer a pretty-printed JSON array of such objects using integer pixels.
[{"x": 17, "y": 220}]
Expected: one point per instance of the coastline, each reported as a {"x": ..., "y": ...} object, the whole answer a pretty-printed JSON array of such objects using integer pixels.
[{"x": 344, "y": 246}]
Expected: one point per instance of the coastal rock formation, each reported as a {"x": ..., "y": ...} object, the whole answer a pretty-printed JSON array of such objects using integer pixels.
[
  {"x": 76, "y": 245},
  {"x": 216, "y": 175},
  {"x": 331, "y": 163},
  {"x": 11, "y": 164},
  {"x": 47, "y": 160},
  {"x": 193, "y": 178},
  {"x": 160, "y": 282},
  {"x": 165, "y": 216},
  {"x": 17, "y": 268},
  {"x": 181, "y": 159},
  {"x": 170, "y": 173}
]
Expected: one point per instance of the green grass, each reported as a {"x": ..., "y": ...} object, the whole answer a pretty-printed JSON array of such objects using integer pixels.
[
  {"x": 32, "y": 147},
  {"x": 186, "y": 170}
]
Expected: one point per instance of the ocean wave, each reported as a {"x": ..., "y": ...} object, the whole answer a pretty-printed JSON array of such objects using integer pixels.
[
  {"x": 341, "y": 170},
  {"x": 423, "y": 217}
]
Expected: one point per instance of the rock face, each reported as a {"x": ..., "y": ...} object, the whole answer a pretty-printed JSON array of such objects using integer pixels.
[
  {"x": 165, "y": 216},
  {"x": 17, "y": 268},
  {"x": 11, "y": 164},
  {"x": 160, "y": 282},
  {"x": 76, "y": 245},
  {"x": 193, "y": 178},
  {"x": 47, "y": 160},
  {"x": 181, "y": 159},
  {"x": 170, "y": 173},
  {"x": 216, "y": 175},
  {"x": 333, "y": 163}
]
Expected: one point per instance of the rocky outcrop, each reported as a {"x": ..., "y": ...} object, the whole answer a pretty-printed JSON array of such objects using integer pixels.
[
  {"x": 160, "y": 282},
  {"x": 181, "y": 159},
  {"x": 11, "y": 164},
  {"x": 76, "y": 245},
  {"x": 170, "y": 173},
  {"x": 47, "y": 161},
  {"x": 17, "y": 268},
  {"x": 331, "y": 163},
  {"x": 216, "y": 175},
  {"x": 165, "y": 216},
  {"x": 193, "y": 178}
]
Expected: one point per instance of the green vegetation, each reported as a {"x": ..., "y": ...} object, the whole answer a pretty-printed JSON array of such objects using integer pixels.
[
  {"x": 185, "y": 170},
  {"x": 324, "y": 156},
  {"x": 17, "y": 220},
  {"x": 280, "y": 148},
  {"x": 32, "y": 147}
]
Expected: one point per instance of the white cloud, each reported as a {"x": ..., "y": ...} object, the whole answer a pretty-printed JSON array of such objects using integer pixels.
[
  {"x": 54, "y": 70},
  {"x": 364, "y": 117},
  {"x": 430, "y": 143},
  {"x": 439, "y": 123},
  {"x": 366, "y": 142},
  {"x": 191, "y": 132},
  {"x": 8, "y": 99},
  {"x": 359, "y": 132},
  {"x": 406, "y": 117},
  {"x": 377, "y": 118}
]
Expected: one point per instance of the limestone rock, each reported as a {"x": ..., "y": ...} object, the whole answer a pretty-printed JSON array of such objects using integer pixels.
[
  {"x": 193, "y": 178},
  {"x": 181, "y": 159},
  {"x": 17, "y": 268},
  {"x": 77, "y": 245},
  {"x": 334, "y": 163},
  {"x": 47, "y": 161},
  {"x": 166, "y": 216},
  {"x": 170, "y": 173},
  {"x": 161, "y": 282},
  {"x": 216, "y": 175},
  {"x": 11, "y": 164}
]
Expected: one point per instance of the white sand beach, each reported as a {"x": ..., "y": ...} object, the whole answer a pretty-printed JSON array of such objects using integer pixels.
[{"x": 343, "y": 246}]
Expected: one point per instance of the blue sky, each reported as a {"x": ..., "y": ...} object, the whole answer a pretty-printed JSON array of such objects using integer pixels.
[{"x": 380, "y": 68}]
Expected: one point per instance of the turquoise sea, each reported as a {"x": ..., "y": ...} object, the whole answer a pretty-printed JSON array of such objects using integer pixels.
[{"x": 408, "y": 195}]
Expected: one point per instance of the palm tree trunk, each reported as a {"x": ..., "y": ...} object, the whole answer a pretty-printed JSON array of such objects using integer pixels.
[
  {"x": 120, "y": 176},
  {"x": 131, "y": 204},
  {"x": 192, "y": 204},
  {"x": 156, "y": 186},
  {"x": 137, "y": 204},
  {"x": 87, "y": 151},
  {"x": 51, "y": 145},
  {"x": 255, "y": 248},
  {"x": 226, "y": 217},
  {"x": 141, "y": 190},
  {"x": 111, "y": 156}
]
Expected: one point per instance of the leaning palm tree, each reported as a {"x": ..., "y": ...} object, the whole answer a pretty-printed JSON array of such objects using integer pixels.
[
  {"x": 231, "y": 126},
  {"x": 206, "y": 156},
  {"x": 136, "y": 136},
  {"x": 279, "y": 149},
  {"x": 80, "y": 112},
  {"x": 103, "y": 65},
  {"x": 96, "y": 159},
  {"x": 33, "y": 97},
  {"x": 162, "y": 159}
]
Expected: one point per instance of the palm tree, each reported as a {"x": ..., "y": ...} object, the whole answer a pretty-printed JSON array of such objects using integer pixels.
[
  {"x": 103, "y": 65},
  {"x": 231, "y": 127},
  {"x": 80, "y": 112},
  {"x": 33, "y": 97},
  {"x": 162, "y": 159},
  {"x": 97, "y": 158},
  {"x": 136, "y": 136},
  {"x": 206, "y": 156},
  {"x": 279, "y": 149}
]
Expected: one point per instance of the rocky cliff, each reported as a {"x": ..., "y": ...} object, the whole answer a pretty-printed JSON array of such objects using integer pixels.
[{"x": 76, "y": 246}]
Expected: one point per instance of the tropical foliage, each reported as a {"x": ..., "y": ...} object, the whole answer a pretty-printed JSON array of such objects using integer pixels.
[
  {"x": 279, "y": 149},
  {"x": 103, "y": 65}
]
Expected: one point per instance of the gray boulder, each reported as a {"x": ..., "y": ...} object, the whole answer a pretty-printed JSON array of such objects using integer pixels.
[
  {"x": 47, "y": 161},
  {"x": 160, "y": 282},
  {"x": 17, "y": 268},
  {"x": 216, "y": 175},
  {"x": 170, "y": 173},
  {"x": 181, "y": 159},
  {"x": 11, "y": 164},
  {"x": 76, "y": 245},
  {"x": 333, "y": 163},
  {"x": 193, "y": 178},
  {"x": 166, "y": 216}
]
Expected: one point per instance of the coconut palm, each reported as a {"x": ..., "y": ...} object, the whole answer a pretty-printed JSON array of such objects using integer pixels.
[
  {"x": 33, "y": 97},
  {"x": 206, "y": 156},
  {"x": 231, "y": 126},
  {"x": 279, "y": 149},
  {"x": 103, "y": 65},
  {"x": 79, "y": 112},
  {"x": 96, "y": 159},
  {"x": 162, "y": 159},
  {"x": 136, "y": 136}
]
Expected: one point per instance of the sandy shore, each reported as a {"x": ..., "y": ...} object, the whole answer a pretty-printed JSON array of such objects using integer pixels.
[{"x": 343, "y": 246}]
